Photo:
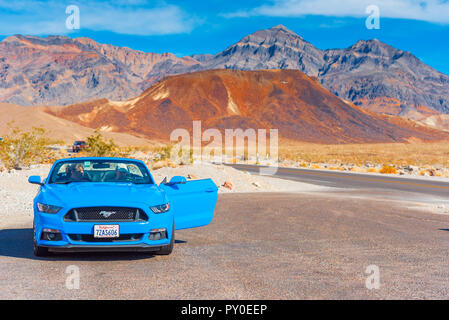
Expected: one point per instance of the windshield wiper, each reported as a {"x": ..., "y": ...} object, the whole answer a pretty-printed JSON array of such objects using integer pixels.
[{"x": 68, "y": 182}]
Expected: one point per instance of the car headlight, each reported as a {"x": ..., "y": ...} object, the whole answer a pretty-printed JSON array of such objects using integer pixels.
[
  {"x": 161, "y": 208},
  {"x": 45, "y": 208}
]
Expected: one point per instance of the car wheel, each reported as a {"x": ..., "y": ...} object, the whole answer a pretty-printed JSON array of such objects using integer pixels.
[
  {"x": 166, "y": 250},
  {"x": 38, "y": 250}
]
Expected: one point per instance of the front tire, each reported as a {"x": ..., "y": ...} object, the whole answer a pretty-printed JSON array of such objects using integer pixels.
[
  {"x": 168, "y": 249},
  {"x": 38, "y": 251}
]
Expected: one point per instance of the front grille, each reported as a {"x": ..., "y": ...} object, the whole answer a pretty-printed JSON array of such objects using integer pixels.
[
  {"x": 90, "y": 238},
  {"x": 99, "y": 214}
]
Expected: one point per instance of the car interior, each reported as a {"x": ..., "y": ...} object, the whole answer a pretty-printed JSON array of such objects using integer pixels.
[{"x": 100, "y": 172}]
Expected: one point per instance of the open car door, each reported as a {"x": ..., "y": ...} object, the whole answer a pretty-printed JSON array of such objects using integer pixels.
[{"x": 192, "y": 202}]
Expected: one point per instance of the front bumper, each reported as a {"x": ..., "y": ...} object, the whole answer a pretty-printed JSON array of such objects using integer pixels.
[
  {"x": 69, "y": 244},
  {"x": 112, "y": 248}
]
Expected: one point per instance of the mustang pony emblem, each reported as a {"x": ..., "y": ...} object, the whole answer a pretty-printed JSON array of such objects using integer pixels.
[{"x": 107, "y": 214}]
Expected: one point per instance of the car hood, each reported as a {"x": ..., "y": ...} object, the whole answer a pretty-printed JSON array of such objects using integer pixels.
[{"x": 90, "y": 194}]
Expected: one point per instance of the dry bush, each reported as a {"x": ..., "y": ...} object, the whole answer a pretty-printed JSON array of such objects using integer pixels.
[
  {"x": 173, "y": 154},
  {"x": 388, "y": 169},
  {"x": 163, "y": 152},
  {"x": 23, "y": 148},
  {"x": 97, "y": 146},
  {"x": 129, "y": 150},
  {"x": 162, "y": 164}
]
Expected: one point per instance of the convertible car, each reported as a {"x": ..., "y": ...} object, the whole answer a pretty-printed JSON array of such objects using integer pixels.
[{"x": 113, "y": 204}]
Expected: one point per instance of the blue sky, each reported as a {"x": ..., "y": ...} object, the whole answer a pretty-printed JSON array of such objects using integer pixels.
[{"x": 186, "y": 27}]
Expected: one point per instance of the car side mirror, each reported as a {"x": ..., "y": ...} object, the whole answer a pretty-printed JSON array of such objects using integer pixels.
[
  {"x": 35, "y": 180},
  {"x": 177, "y": 180}
]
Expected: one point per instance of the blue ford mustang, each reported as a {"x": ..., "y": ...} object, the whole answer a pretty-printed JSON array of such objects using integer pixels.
[{"x": 113, "y": 204}]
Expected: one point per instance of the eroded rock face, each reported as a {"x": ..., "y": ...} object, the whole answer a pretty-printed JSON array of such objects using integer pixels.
[
  {"x": 381, "y": 78},
  {"x": 275, "y": 48},
  {"x": 58, "y": 70},
  {"x": 371, "y": 74}
]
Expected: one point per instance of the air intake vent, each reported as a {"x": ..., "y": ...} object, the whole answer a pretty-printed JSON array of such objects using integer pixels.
[
  {"x": 109, "y": 214},
  {"x": 90, "y": 238}
]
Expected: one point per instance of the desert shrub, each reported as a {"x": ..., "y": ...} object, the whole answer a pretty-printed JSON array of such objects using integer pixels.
[
  {"x": 23, "y": 148},
  {"x": 167, "y": 163},
  {"x": 170, "y": 156},
  {"x": 185, "y": 161},
  {"x": 97, "y": 146},
  {"x": 388, "y": 169},
  {"x": 163, "y": 153}
]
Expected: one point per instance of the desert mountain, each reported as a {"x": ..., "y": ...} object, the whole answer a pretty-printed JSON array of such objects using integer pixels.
[
  {"x": 275, "y": 48},
  {"x": 287, "y": 100},
  {"x": 381, "y": 78},
  {"x": 371, "y": 74},
  {"x": 58, "y": 70}
]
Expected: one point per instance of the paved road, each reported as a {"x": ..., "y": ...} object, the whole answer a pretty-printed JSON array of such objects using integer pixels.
[
  {"x": 420, "y": 187},
  {"x": 259, "y": 246}
]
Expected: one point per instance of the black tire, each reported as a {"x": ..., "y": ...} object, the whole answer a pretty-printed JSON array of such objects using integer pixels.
[
  {"x": 166, "y": 250},
  {"x": 38, "y": 250}
]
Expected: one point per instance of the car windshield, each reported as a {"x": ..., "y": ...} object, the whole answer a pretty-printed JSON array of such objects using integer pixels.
[{"x": 100, "y": 171}]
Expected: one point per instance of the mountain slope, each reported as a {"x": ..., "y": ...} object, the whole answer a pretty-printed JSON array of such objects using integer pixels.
[
  {"x": 287, "y": 100},
  {"x": 59, "y": 129},
  {"x": 58, "y": 70},
  {"x": 371, "y": 74},
  {"x": 275, "y": 48}
]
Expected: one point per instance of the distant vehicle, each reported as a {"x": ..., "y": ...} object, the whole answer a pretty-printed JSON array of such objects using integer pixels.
[
  {"x": 113, "y": 204},
  {"x": 79, "y": 145}
]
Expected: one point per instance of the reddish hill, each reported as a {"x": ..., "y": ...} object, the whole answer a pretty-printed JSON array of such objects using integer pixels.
[{"x": 284, "y": 99}]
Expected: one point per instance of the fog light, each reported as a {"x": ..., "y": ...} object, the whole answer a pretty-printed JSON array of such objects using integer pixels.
[
  {"x": 158, "y": 234},
  {"x": 51, "y": 235}
]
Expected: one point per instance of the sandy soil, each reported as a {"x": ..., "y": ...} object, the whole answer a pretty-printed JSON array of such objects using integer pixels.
[{"x": 59, "y": 129}]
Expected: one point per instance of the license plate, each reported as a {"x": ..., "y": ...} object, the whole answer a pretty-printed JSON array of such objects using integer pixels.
[{"x": 106, "y": 231}]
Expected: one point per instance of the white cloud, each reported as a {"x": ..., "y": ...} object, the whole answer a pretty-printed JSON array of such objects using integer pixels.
[
  {"x": 125, "y": 17},
  {"x": 163, "y": 20},
  {"x": 426, "y": 10}
]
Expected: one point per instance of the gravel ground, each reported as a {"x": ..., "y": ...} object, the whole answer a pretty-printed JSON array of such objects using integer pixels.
[
  {"x": 299, "y": 244},
  {"x": 242, "y": 181},
  {"x": 259, "y": 246},
  {"x": 17, "y": 194}
]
